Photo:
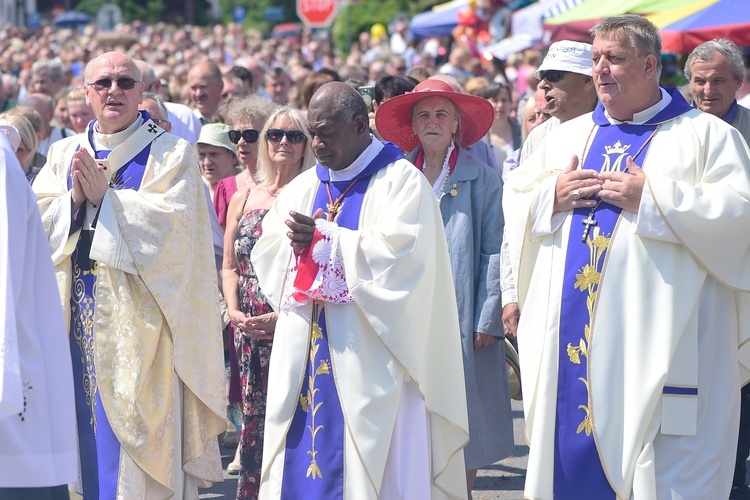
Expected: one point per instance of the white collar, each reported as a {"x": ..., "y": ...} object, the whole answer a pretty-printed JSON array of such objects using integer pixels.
[
  {"x": 642, "y": 117},
  {"x": 361, "y": 163},
  {"x": 111, "y": 141}
]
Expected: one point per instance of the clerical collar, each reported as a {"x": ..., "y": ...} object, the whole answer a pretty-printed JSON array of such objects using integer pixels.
[
  {"x": 361, "y": 163},
  {"x": 642, "y": 117},
  {"x": 111, "y": 141},
  {"x": 730, "y": 115}
]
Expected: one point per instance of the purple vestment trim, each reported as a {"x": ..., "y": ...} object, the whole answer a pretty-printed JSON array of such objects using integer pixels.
[
  {"x": 314, "y": 455},
  {"x": 99, "y": 447},
  {"x": 578, "y": 470}
]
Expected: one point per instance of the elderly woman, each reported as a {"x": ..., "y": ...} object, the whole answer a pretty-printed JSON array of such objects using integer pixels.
[
  {"x": 284, "y": 150},
  {"x": 436, "y": 124},
  {"x": 217, "y": 158},
  {"x": 246, "y": 115}
]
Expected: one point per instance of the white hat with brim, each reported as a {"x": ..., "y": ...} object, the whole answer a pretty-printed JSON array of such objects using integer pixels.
[
  {"x": 216, "y": 134},
  {"x": 574, "y": 57}
]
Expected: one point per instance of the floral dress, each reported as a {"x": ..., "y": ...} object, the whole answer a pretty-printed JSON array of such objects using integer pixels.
[{"x": 253, "y": 356}]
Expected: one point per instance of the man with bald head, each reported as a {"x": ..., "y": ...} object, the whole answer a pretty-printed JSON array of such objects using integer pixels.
[
  {"x": 128, "y": 226},
  {"x": 206, "y": 85},
  {"x": 349, "y": 252}
]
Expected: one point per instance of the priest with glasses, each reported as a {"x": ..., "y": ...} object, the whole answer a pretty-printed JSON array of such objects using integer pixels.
[{"x": 127, "y": 223}]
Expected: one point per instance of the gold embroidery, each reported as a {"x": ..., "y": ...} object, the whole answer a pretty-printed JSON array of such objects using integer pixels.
[
  {"x": 618, "y": 149},
  {"x": 588, "y": 281},
  {"x": 83, "y": 332},
  {"x": 308, "y": 400}
]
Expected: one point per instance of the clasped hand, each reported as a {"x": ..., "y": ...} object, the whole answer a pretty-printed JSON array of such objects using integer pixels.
[
  {"x": 259, "y": 327},
  {"x": 89, "y": 181},
  {"x": 576, "y": 187}
]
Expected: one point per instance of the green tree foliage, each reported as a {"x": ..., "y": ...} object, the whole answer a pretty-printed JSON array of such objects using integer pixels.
[{"x": 149, "y": 11}]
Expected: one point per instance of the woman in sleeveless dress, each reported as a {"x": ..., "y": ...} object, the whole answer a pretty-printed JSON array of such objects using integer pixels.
[{"x": 283, "y": 152}]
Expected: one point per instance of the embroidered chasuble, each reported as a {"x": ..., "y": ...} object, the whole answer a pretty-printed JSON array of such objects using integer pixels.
[
  {"x": 314, "y": 457},
  {"x": 99, "y": 448},
  {"x": 576, "y": 458}
]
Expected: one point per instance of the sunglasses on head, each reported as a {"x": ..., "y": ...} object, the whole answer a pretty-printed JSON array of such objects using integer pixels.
[
  {"x": 250, "y": 135},
  {"x": 293, "y": 136},
  {"x": 124, "y": 83},
  {"x": 553, "y": 75}
]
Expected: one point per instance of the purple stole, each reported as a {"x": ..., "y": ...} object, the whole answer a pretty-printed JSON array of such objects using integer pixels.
[
  {"x": 314, "y": 456},
  {"x": 99, "y": 448},
  {"x": 578, "y": 470}
]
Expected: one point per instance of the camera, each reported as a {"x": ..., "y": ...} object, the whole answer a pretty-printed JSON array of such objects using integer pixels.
[{"x": 368, "y": 94}]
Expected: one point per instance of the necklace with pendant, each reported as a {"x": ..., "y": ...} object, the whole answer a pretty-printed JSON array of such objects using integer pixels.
[{"x": 334, "y": 207}]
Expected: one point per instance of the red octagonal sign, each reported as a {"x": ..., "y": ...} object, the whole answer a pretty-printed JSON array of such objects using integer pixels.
[{"x": 316, "y": 13}]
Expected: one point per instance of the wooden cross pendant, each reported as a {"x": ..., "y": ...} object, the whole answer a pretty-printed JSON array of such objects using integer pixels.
[
  {"x": 587, "y": 223},
  {"x": 333, "y": 210}
]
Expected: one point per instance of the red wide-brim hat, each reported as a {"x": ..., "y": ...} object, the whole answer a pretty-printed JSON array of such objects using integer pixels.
[{"x": 393, "y": 118}]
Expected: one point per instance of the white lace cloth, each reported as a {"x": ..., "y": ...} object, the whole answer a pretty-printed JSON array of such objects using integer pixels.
[{"x": 318, "y": 272}]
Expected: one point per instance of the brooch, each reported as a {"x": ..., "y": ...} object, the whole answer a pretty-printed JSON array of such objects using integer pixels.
[{"x": 454, "y": 190}]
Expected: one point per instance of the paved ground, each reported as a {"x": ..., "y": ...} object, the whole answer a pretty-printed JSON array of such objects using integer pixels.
[{"x": 500, "y": 481}]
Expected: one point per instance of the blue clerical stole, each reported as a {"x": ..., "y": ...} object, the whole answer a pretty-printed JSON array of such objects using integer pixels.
[
  {"x": 314, "y": 456},
  {"x": 578, "y": 470},
  {"x": 99, "y": 448}
]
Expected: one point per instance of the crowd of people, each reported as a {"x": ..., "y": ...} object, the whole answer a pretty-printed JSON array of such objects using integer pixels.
[{"x": 347, "y": 250}]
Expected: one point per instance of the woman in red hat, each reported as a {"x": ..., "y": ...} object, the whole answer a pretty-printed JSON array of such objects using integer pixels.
[{"x": 436, "y": 123}]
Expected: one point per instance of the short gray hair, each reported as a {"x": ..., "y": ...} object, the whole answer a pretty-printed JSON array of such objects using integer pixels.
[
  {"x": 53, "y": 67},
  {"x": 707, "y": 51},
  {"x": 641, "y": 34},
  {"x": 159, "y": 100}
]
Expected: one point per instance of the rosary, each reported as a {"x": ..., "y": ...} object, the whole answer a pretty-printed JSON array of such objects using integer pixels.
[{"x": 590, "y": 221}]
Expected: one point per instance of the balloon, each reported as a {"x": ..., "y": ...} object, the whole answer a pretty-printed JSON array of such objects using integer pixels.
[
  {"x": 377, "y": 31},
  {"x": 467, "y": 17}
]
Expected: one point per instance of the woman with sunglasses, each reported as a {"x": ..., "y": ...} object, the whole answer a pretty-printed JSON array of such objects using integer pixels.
[
  {"x": 246, "y": 115},
  {"x": 284, "y": 150}
]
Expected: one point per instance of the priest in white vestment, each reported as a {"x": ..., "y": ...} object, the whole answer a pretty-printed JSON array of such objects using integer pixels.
[
  {"x": 633, "y": 281},
  {"x": 37, "y": 412},
  {"x": 127, "y": 222},
  {"x": 366, "y": 395}
]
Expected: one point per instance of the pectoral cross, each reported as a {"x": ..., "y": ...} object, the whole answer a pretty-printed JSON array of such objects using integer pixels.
[{"x": 587, "y": 223}]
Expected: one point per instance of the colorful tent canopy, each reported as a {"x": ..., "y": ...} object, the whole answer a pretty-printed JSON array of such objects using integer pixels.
[
  {"x": 440, "y": 21},
  {"x": 723, "y": 19},
  {"x": 575, "y": 23}
]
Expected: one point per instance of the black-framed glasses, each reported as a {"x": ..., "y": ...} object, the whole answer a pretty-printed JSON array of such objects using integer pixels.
[
  {"x": 160, "y": 122},
  {"x": 293, "y": 136},
  {"x": 250, "y": 135},
  {"x": 124, "y": 83},
  {"x": 552, "y": 75}
]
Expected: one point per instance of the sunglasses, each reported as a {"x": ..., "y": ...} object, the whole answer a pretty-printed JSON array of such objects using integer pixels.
[
  {"x": 250, "y": 135},
  {"x": 293, "y": 136},
  {"x": 553, "y": 75},
  {"x": 125, "y": 83}
]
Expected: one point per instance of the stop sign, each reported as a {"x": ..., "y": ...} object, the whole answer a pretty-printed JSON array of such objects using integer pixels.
[{"x": 316, "y": 13}]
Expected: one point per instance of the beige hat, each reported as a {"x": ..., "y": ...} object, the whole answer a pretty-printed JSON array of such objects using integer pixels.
[
  {"x": 574, "y": 57},
  {"x": 216, "y": 134}
]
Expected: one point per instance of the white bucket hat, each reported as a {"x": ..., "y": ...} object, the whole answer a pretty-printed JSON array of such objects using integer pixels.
[
  {"x": 216, "y": 134},
  {"x": 574, "y": 57}
]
